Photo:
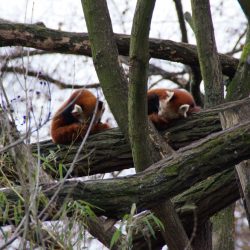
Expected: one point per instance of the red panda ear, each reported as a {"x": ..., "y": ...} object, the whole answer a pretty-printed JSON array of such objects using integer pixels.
[
  {"x": 170, "y": 95},
  {"x": 183, "y": 110},
  {"x": 77, "y": 109},
  {"x": 78, "y": 114},
  {"x": 163, "y": 103}
]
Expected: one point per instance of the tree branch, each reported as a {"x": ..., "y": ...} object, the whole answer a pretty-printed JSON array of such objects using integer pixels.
[
  {"x": 45, "y": 77},
  {"x": 39, "y": 37},
  {"x": 207, "y": 51},
  {"x": 239, "y": 87},
  {"x": 163, "y": 180},
  {"x": 179, "y": 10}
]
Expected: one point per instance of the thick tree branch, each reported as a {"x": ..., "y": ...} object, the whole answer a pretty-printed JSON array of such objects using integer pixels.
[
  {"x": 164, "y": 179},
  {"x": 238, "y": 88},
  {"x": 198, "y": 203},
  {"x": 39, "y": 37},
  {"x": 108, "y": 151}
]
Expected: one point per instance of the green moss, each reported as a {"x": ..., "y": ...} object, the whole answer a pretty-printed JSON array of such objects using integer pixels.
[
  {"x": 239, "y": 87},
  {"x": 245, "y": 53}
]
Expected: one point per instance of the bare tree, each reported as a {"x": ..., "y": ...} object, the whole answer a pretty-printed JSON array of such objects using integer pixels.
[{"x": 192, "y": 162}]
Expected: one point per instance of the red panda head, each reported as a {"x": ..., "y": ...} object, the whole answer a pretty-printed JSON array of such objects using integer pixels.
[
  {"x": 171, "y": 104},
  {"x": 79, "y": 114},
  {"x": 177, "y": 103}
]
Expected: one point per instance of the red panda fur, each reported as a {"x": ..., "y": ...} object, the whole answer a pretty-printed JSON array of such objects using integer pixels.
[
  {"x": 72, "y": 120},
  {"x": 166, "y": 105}
]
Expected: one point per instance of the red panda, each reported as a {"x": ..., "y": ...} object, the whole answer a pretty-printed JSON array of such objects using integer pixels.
[
  {"x": 72, "y": 120},
  {"x": 165, "y": 105}
]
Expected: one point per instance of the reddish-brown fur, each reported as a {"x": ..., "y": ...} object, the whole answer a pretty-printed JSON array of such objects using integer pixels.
[
  {"x": 171, "y": 109},
  {"x": 66, "y": 128}
]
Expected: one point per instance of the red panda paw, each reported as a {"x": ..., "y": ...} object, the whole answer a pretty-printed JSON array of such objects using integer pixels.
[
  {"x": 159, "y": 122},
  {"x": 99, "y": 127}
]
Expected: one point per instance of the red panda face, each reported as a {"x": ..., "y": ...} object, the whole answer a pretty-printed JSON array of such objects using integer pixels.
[
  {"x": 79, "y": 115},
  {"x": 171, "y": 103},
  {"x": 182, "y": 103}
]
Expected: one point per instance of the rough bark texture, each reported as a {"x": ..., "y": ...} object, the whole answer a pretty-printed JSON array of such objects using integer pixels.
[
  {"x": 199, "y": 203},
  {"x": 99, "y": 228},
  {"x": 108, "y": 151},
  {"x": 239, "y": 87},
  {"x": 224, "y": 231},
  {"x": 40, "y": 37},
  {"x": 212, "y": 77},
  {"x": 203, "y": 237},
  {"x": 205, "y": 198},
  {"x": 229, "y": 119},
  {"x": 165, "y": 179}
]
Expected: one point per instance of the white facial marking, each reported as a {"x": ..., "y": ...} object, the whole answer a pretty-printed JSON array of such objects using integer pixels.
[
  {"x": 163, "y": 104},
  {"x": 77, "y": 109},
  {"x": 170, "y": 95},
  {"x": 183, "y": 109}
]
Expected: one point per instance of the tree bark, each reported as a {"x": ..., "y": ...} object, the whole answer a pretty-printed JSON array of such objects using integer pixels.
[
  {"x": 109, "y": 151},
  {"x": 141, "y": 146},
  {"x": 229, "y": 119},
  {"x": 239, "y": 87},
  {"x": 197, "y": 203},
  {"x": 164, "y": 179},
  {"x": 223, "y": 229}
]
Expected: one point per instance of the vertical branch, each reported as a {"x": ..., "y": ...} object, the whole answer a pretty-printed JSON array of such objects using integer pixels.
[
  {"x": 179, "y": 10},
  {"x": 174, "y": 234},
  {"x": 239, "y": 87},
  {"x": 207, "y": 52},
  {"x": 230, "y": 118},
  {"x": 137, "y": 104},
  {"x": 112, "y": 79},
  {"x": 106, "y": 62},
  {"x": 194, "y": 71},
  {"x": 211, "y": 74}
]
